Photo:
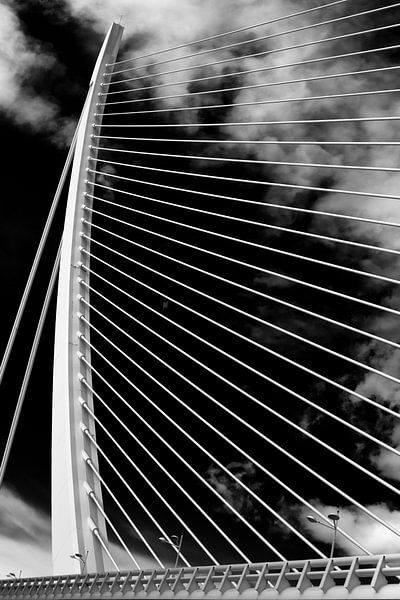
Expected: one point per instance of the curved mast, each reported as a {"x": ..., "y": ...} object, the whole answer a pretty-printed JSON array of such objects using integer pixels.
[{"x": 73, "y": 512}]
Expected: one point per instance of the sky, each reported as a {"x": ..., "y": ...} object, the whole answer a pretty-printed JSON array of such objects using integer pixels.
[{"x": 47, "y": 53}]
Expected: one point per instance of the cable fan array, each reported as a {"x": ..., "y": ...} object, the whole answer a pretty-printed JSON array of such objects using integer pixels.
[{"x": 239, "y": 265}]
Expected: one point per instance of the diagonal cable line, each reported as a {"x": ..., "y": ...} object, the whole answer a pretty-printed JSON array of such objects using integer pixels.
[
  {"x": 95, "y": 530},
  {"x": 40, "y": 249},
  {"x": 250, "y": 71},
  {"x": 202, "y": 391},
  {"x": 268, "y": 440},
  {"x": 298, "y": 396},
  {"x": 213, "y": 303},
  {"x": 244, "y": 242},
  {"x": 31, "y": 360},
  {"x": 149, "y": 483},
  {"x": 238, "y": 142},
  {"x": 252, "y": 123},
  {"x": 88, "y": 460},
  {"x": 246, "y": 201},
  {"x": 234, "y": 31},
  {"x": 165, "y": 340},
  {"x": 149, "y": 390},
  {"x": 86, "y": 431},
  {"x": 268, "y": 296},
  {"x": 253, "y": 161},
  {"x": 199, "y": 446},
  {"x": 143, "y": 446},
  {"x": 117, "y": 472},
  {"x": 264, "y": 52},
  {"x": 93, "y": 498},
  {"x": 266, "y": 349},
  {"x": 276, "y": 327},
  {"x": 248, "y": 87},
  {"x": 251, "y": 181},
  {"x": 160, "y": 465},
  {"x": 142, "y": 505},
  {"x": 253, "y": 103},
  {"x": 371, "y": 305},
  {"x": 145, "y": 266},
  {"x": 257, "y": 39},
  {"x": 318, "y": 236},
  {"x": 182, "y": 459}
]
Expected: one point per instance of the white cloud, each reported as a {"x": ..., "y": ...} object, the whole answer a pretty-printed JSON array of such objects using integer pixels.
[
  {"x": 163, "y": 21},
  {"x": 124, "y": 561},
  {"x": 156, "y": 24},
  {"x": 21, "y": 58},
  {"x": 25, "y": 540},
  {"x": 387, "y": 463},
  {"x": 368, "y": 532},
  {"x": 17, "y": 56},
  {"x": 24, "y": 536}
]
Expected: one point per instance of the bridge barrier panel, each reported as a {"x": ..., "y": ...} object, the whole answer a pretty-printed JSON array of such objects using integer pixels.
[{"x": 349, "y": 577}]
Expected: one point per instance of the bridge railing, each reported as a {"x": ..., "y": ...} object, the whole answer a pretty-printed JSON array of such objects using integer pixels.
[{"x": 363, "y": 576}]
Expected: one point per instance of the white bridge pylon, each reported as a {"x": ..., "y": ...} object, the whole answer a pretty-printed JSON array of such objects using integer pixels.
[
  {"x": 188, "y": 312},
  {"x": 78, "y": 525}
]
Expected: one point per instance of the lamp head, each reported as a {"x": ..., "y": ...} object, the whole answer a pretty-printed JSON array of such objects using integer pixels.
[
  {"x": 311, "y": 519},
  {"x": 76, "y": 556},
  {"x": 334, "y": 516},
  {"x": 174, "y": 540}
]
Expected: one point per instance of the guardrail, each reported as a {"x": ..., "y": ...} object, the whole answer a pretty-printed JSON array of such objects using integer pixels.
[{"x": 351, "y": 577}]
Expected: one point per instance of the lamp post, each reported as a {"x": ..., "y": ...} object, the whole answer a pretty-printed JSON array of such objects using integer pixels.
[
  {"x": 334, "y": 517},
  {"x": 78, "y": 556},
  {"x": 176, "y": 543}
]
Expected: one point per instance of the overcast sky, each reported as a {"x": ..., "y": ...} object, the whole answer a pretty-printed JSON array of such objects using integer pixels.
[{"x": 47, "y": 53}]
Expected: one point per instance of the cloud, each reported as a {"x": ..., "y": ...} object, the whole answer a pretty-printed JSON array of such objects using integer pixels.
[
  {"x": 125, "y": 563},
  {"x": 157, "y": 24},
  {"x": 25, "y": 542},
  {"x": 385, "y": 461},
  {"x": 23, "y": 61},
  {"x": 373, "y": 536},
  {"x": 152, "y": 24},
  {"x": 232, "y": 491}
]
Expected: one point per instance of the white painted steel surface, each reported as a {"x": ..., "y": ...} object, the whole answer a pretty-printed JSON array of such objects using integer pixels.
[
  {"x": 350, "y": 577},
  {"x": 71, "y": 506}
]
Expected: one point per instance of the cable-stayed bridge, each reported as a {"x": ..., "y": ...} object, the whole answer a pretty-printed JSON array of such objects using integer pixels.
[{"x": 226, "y": 329}]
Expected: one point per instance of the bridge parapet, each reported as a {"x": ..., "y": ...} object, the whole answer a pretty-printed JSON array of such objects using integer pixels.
[{"x": 350, "y": 577}]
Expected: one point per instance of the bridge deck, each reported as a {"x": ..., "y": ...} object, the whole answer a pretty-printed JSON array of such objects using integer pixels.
[{"x": 350, "y": 577}]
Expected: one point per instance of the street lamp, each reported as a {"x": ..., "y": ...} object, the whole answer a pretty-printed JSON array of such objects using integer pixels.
[
  {"x": 12, "y": 575},
  {"x": 78, "y": 556},
  {"x": 334, "y": 517},
  {"x": 176, "y": 543}
]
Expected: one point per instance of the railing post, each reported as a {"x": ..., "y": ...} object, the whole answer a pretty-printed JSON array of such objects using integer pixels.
[{"x": 71, "y": 507}]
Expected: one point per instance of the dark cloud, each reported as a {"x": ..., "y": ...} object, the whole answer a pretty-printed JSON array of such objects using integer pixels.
[
  {"x": 28, "y": 63},
  {"x": 232, "y": 490}
]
